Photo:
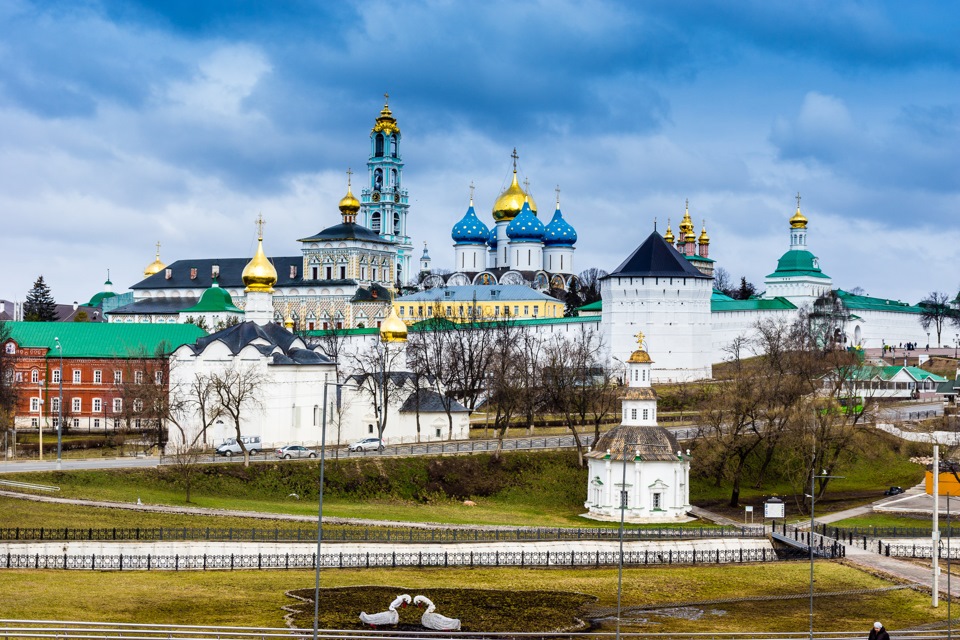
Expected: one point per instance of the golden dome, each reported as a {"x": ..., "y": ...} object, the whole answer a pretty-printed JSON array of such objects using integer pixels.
[
  {"x": 510, "y": 202},
  {"x": 640, "y": 356},
  {"x": 704, "y": 238},
  {"x": 259, "y": 274},
  {"x": 349, "y": 205},
  {"x": 798, "y": 221},
  {"x": 386, "y": 123},
  {"x": 668, "y": 236},
  {"x": 393, "y": 329},
  {"x": 156, "y": 266},
  {"x": 686, "y": 225}
]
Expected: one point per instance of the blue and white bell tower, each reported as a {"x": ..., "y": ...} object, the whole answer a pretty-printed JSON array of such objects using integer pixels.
[{"x": 383, "y": 201}]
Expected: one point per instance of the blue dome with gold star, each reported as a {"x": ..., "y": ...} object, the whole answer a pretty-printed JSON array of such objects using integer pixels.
[
  {"x": 526, "y": 227},
  {"x": 470, "y": 229},
  {"x": 559, "y": 233},
  {"x": 492, "y": 240}
]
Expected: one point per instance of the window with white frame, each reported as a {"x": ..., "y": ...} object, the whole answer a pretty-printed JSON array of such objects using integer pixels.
[
  {"x": 633, "y": 414},
  {"x": 117, "y": 405},
  {"x": 646, "y": 414},
  {"x": 138, "y": 405},
  {"x": 158, "y": 377},
  {"x": 55, "y": 376},
  {"x": 76, "y": 376},
  {"x": 97, "y": 406},
  {"x": 96, "y": 423},
  {"x": 138, "y": 377},
  {"x": 54, "y": 404},
  {"x": 34, "y": 404},
  {"x": 76, "y": 423},
  {"x": 77, "y": 404},
  {"x": 117, "y": 376},
  {"x": 34, "y": 376},
  {"x": 97, "y": 376}
]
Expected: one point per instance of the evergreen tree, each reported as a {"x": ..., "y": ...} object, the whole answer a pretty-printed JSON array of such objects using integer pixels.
[{"x": 40, "y": 305}]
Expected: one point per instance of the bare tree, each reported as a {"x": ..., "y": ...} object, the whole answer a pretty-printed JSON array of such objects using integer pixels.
[
  {"x": 237, "y": 390},
  {"x": 185, "y": 458},
  {"x": 377, "y": 380},
  {"x": 590, "y": 284},
  {"x": 430, "y": 352},
  {"x": 9, "y": 390},
  {"x": 936, "y": 311}
]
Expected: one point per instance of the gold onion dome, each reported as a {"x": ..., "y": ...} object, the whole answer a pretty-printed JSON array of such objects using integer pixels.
[
  {"x": 386, "y": 123},
  {"x": 686, "y": 224},
  {"x": 798, "y": 221},
  {"x": 704, "y": 238},
  {"x": 349, "y": 205},
  {"x": 668, "y": 236},
  {"x": 259, "y": 274},
  {"x": 510, "y": 202},
  {"x": 393, "y": 328},
  {"x": 156, "y": 266},
  {"x": 640, "y": 356}
]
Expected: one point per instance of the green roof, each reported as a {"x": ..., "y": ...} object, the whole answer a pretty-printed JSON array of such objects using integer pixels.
[
  {"x": 213, "y": 300},
  {"x": 593, "y": 306},
  {"x": 696, "y": 258},
  {"x": 104, "y": 340},
  {"x": 852, "y": 301},
  {"x": 718, "y": 296},
  {"x": 869, "y": 372},
  {"x": 798, "y": 262},
  {"x": 753, "y": 304},
  {"x": 100, "y": 297}
]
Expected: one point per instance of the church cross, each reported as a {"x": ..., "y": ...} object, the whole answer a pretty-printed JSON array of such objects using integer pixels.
[
  {"x": 386, "y": 99},
  {"x": 798, "y": 201},
  {"x": 557, "y": 189},
  {"x": 471, "y": 191},
  {"x": 526, "y": 185},
  {"x": 515, "y": 158},
  {"x": 158, "y": 249},
  {"x": 686, "y": 204},
  {"x": 260, "y": 223},
  {"x": 349, "y": 175},
  {"x": 639, "y": 336}
]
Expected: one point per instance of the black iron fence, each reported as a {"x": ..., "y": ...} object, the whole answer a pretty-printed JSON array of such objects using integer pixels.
[
  {"x": 852, "y": 534},
  {"x": 918, "y": 551},
  {"x": 396, "y": 535},
  {"x": 151, "y": 562}
]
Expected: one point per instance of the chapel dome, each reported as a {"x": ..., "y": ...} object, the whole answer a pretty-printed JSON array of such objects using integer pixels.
[
  {"x": 510, "y": 202},
  {"x": 559, "y": 232},
  {"x": 393, "y": 328},
  {"x": 156, "y": 266},
  {"x": 470, "y": 229},
  {"x": 259, "y": 274}
]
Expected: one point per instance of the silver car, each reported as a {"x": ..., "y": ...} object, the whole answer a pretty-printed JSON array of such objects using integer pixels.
[
  {"x": 295, "y": 451},
  {"x": 367, "y": 444}
]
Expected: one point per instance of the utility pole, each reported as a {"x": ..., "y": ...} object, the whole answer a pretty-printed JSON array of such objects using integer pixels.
[{"x": 935, "y": 536}]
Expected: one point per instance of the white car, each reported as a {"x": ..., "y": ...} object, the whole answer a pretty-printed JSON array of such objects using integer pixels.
[{"x": 368, "y": 444}]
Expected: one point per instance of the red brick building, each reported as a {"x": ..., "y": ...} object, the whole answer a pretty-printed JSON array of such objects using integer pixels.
[{"x": 103, "y": 364}]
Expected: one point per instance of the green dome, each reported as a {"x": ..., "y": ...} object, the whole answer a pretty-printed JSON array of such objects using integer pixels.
[
  {"x": 798, "y": 262},
  {"x": 214, "y": 299},
  {"x": 98, "y": 298}
]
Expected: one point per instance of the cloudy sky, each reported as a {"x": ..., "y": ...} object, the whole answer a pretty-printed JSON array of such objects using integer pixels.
[{"x": 123, "y": 124}]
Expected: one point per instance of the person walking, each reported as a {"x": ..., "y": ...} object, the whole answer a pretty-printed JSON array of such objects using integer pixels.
[{"x": 878, "y": 632}]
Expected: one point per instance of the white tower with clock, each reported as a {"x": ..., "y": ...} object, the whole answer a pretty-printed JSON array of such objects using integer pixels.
[{"x": 383, "y": 201}]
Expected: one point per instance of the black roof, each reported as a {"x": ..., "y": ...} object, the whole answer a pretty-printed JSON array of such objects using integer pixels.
[
  {"x": 231, "y": 271},
  {"x": 240, "y": 335},
  {"x": 430, "y": 401},
  {"x": 366, "y": 295},
  {"x": 156, "y": 305},
  {"x": 347, "y": 231},
  {"x": 655, "y": 257}
]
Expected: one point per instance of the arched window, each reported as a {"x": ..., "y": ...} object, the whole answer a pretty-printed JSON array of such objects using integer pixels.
[
  {"x": 378, "y": 180},
  {"x": 396, "y": 223},
  {"x": 379, "y": 146},
  {"x": 396, "y": 178},
  {"x": 375, "y": 221},
  {"x": 394, "y": 146}
]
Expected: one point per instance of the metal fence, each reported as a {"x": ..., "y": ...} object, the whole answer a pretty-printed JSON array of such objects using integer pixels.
[
  {"x": 917, "y": 551},
  {"x": 851, "y": 533},
  {"x": 151, "y": 562},
  {"x": 107, "y": 630},
  {"x": 393, "y": 535}
]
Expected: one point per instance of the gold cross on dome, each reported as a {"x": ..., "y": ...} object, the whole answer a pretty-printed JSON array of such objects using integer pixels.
[
  {"x": 639, "y": 336},
  {"x": 798, "y": 200},
  {"x": 158, "y": 249},
  {"x": 526, "y": 184},
  {"x": 260, "y": 223},
  {"x": 515, "y": 158},
  {"x": 349, "y": 175}
]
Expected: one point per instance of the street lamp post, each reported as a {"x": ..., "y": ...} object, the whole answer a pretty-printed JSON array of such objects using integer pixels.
[
  {"x": 813, "y": 500},
  {"x": 59, "y": 404}
]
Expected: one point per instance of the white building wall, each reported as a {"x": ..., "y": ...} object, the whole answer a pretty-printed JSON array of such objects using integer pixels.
[{"x": 644, "y": 478}]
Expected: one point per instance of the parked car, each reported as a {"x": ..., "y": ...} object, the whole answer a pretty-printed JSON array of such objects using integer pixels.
[
  {"x": 367, "y": 444},
  {"x": 893, "y": 491},
  {"x": 295, "y": 451},
  {"x": 232, "y": 447}
]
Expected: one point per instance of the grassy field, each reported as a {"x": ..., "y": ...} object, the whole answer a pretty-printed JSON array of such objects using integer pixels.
[
  {"x": 893, "y": 520},
  {"x": 255, "y": 598}
]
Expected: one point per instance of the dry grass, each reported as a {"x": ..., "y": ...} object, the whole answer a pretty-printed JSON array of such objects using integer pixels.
[{"x": 254, "y": 598}]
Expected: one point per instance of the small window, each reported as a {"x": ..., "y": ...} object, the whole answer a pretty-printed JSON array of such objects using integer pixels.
[
  {"x": 117, "y": 377},
  {"x": 76, "y": 423},
  {"x": 138, "y": 377},
  {"x": 55, "y": 376},
  {"x": 76, "y": 376},
  {"x": 96, "y": 423},
  {"x": 439, "y": 434},
  {"x": 526, "y": 309},
  {"x": 117, "y": 405},
  {"x": 97, "y": 377},
  {"x": 138, "y": 405},
  {"x": 633, "y": 414},
  {"x": 35, "y": 376},
  {"x": 54, "y": 404},
  {"x": 97, "y": 406},
  {"x": 158, "y": 377},
  {"x": 646, "y": 414},
  {"x": 77, "y": 404},
  {"x": 369, "y": 428},
  {"x": 658, "y": 501},
  {"x": 34, "y": 404},
  {"x": 343, "y": 272}
]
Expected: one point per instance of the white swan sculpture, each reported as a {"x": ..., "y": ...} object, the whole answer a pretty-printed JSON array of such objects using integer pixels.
[
  {"x": 390, "y": 616},
  {"x": 435, "y": 621}
]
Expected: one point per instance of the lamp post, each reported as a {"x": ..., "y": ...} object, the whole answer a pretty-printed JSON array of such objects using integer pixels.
[
  {"x": 813, "y": 500},
  {"x": 59, "y": 404}
]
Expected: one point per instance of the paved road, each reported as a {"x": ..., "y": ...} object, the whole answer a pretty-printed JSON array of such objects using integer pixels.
[{"x": 74, "y": 464}]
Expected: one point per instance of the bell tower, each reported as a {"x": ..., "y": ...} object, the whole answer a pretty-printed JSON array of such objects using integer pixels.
[{"x": 383, "y": 200}]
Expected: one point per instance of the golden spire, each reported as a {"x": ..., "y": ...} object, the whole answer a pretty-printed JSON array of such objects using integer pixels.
[
  {"x": 704, "y": 238},
  {"x": 686, "y": 224},
  {"x": 349, "y": 205},
  {"x": 798, "y": 221},
  {"x": 640, "y": 355},
  {"x": 386, "y": 123},
  {"x": 668, "y": 236},
  {"x": 259, "y": 274},
  {"x": 393, "y": 328},
  {"x": 510, "y": 202},
  {"x": 287, "y": 319},
  {"x": 154, "y": 267}
]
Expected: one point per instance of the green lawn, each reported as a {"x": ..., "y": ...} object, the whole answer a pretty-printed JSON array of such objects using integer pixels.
[{"x": 254, "y": 598}]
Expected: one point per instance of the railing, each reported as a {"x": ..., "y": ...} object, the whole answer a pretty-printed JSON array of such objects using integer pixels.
[
  {"x": 107, "y": 630},
  {"x": 802, "y": 540},
  {"x": 917, "y": 551},
  {"x": 394, "y": 535},
  {"x": 164, "y": 562},
  {"x": 849, "y": 534}
]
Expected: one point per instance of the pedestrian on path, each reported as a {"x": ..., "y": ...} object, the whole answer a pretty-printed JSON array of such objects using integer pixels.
[{"x": 878, "y": 632}]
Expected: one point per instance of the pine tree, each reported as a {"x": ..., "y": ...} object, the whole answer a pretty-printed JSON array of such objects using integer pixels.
[{"x": 40, "y": 305}]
